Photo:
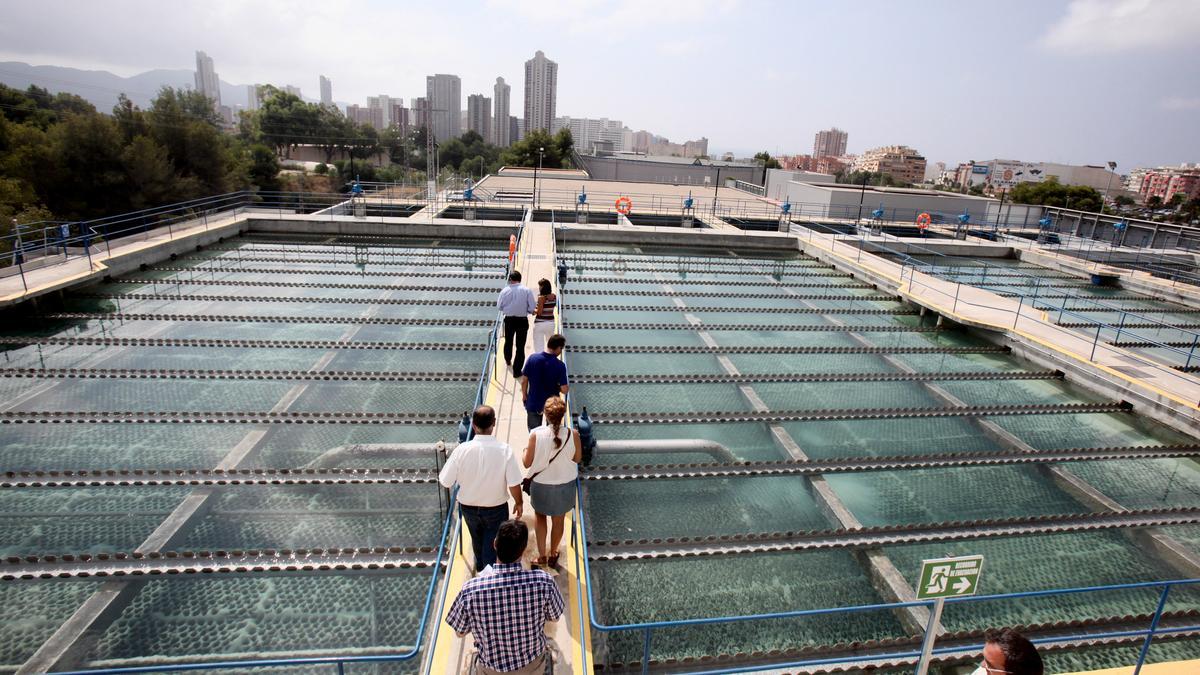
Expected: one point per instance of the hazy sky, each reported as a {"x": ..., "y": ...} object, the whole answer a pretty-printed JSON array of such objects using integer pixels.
[{"x": 1081, "y": 81}]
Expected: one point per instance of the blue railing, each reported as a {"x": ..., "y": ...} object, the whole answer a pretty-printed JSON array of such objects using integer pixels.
[{"x": 648, "y": 629}]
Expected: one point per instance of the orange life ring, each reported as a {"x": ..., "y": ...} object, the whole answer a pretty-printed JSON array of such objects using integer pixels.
[
  {"x": 624, "y": 206},
  {"x": 923, "y": 221},
  {"x": 512, "y": 246}
]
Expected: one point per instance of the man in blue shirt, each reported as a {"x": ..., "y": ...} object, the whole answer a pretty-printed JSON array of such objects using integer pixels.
[
  {"x": 516, "y": 302},
  {"x": 506, "y": 609},
  {"x": 544, "y": 376}
]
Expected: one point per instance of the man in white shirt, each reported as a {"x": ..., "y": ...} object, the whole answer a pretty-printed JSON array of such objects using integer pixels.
[
  {"x": 516, "y": 302},
  {"x": 486, "y": 472}
]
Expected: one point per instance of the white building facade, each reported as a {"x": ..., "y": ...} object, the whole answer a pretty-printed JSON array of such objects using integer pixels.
[
  {"x": 444, "y": 96},
  {"x": 590, "y": 134}
]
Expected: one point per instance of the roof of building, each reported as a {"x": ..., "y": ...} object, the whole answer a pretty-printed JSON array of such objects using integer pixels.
[
  {"x": 849, "y": 187},
  {"x": 670, "y": 159}
]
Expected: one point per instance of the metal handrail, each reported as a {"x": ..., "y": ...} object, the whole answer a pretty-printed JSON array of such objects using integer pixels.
[
  {"x": 931, "y": 269},
  {"x": 1099, "y": 324}
]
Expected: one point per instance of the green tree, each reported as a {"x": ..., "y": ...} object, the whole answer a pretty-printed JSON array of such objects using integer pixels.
[
  {"x": 149, "y": 173},
  {"x": 868, "y": 177},
  {"x": 1050, "y": 192},
  {"x": 286, "y": 121},
  {"x": 1154, "y": 202},
  {"x": 555, "y": 150},
  {"x": 264, "y": 168},
  {"x": 87, "y": 178},
  {"x": 767, "y": 160}
]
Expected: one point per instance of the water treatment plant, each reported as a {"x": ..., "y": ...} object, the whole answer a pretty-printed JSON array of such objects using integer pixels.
[{"x": 221, "y": 427}]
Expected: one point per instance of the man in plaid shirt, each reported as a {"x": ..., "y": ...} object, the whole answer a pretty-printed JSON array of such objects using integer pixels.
[{"x": 507, "y": 607}]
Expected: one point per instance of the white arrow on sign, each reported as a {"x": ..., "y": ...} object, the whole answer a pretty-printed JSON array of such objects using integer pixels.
[{"x": 962, "y": 585}]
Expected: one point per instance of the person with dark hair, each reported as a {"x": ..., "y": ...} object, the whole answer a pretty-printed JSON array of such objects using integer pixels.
[
  {"x": 486, "y": 472},
  {"x": 1007, "y": 652},
  {"x": 544, "y": 376},
  {"x": 543, "y": 315},
  {"x": 507, "y": 609},
  {"x": 557, "y": 451},
  {"x": 516, "y": 303}
]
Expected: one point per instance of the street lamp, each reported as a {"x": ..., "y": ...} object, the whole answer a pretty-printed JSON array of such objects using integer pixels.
[
  {"x": 541, "y": 152},
  {"x": 1112, "y": 166}
]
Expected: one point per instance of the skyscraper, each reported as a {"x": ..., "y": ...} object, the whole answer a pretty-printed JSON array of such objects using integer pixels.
[
  {"x": 479, "y": 115},
  {"x": 326, "y": 91},
  {"x": 386, "y": 105},
  {"x": 830, "y": 143},
  {"x": 420, "y": 116},
  {"x": 293, "y": 90},
  {"x": 253, "y": 101},
  {"x": 541, "y": 92},
  {"x": 444, "y": 95},
  {"x": 500, "y": 131},
  {"x": 207, "y": 82}
]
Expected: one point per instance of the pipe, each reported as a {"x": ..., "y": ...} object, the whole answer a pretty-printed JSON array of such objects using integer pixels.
[
  {"x": 668, "y": 445},
  {"x": 330, "y": 457}
]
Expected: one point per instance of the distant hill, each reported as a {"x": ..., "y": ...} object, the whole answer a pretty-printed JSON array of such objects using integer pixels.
[{"x": 101, "y": 87}]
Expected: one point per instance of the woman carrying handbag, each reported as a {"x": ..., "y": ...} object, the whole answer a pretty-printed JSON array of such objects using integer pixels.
[{"x": 556, "y": 449}]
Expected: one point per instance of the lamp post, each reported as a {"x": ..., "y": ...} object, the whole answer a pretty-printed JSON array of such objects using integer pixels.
[
  {"x": 861, "y": 196},
  {"x": 541, "y": 153},
  {"x": 1112, "y": 170}
]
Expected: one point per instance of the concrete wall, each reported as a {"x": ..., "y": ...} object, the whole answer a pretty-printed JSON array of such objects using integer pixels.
[
  {"x": 900, "y": 205},
  {"x": 311, "y": 153},
  {"x": 1015, "y": 215},
  {"x": 778, "y": 179},
  {"x": 649, "y": 171}
]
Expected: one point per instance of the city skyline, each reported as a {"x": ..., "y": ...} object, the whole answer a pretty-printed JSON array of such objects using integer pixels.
[{"x": 1085, "y": 81}]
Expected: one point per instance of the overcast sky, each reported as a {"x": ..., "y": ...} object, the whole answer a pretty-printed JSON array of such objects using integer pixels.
[{"x": 1080, "y": 81}]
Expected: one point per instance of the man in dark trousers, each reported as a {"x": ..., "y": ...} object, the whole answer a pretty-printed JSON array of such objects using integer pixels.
[
  {"x": 544, "y": 376},
  {"x": 486, "y": 472},
  {"x": 517, "y": 303}
]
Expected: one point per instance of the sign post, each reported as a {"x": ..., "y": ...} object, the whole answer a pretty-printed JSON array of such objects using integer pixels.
[{"x": 943, "y": 578}]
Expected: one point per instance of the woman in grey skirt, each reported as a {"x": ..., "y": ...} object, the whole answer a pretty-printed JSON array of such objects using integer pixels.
[{"x": 555, "y": 451}]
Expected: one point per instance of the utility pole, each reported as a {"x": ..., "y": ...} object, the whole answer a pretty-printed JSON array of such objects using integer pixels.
[
  {"x": 861, "y": 196},
  {"x": 716, "y": 187},
  {"x": 541, "y": 151}
]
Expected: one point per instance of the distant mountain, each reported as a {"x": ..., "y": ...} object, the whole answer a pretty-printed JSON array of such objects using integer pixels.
[{"x": 102, "y": 88}]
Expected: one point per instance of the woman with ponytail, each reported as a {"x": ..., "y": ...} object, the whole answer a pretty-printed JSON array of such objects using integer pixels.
[{"x": 555, "y": 450}]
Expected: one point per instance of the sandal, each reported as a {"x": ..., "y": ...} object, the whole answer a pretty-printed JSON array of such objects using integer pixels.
[
  {"x": 553, "y": 563},
  {"x": 540, "y": 562}
]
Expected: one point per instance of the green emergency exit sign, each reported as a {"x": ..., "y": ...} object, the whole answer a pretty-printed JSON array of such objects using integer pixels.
[{"x": 949, "y": 577}]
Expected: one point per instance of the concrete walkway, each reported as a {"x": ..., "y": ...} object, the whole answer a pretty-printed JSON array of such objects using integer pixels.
[
  {"x": 535, "y": 260},
  {"x": 72, "y": 271},
  {"x": 976, "y": 307}
]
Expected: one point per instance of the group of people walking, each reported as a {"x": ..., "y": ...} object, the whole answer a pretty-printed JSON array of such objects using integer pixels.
[{"x": 488, "y": 472}]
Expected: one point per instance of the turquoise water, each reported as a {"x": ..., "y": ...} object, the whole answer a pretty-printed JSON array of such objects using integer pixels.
[
  {"x": 937, "y": 495},
  {"x": 243, "y": 615},
  {"x": 260, "y": 616},
  {"x": 626, "y": 509},
  {"x": 662, "y": 589},
  {"x": 722, "y": 586}
]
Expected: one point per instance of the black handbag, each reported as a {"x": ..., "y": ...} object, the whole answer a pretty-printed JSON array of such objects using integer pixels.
[{"x": 527, "y": 483}]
